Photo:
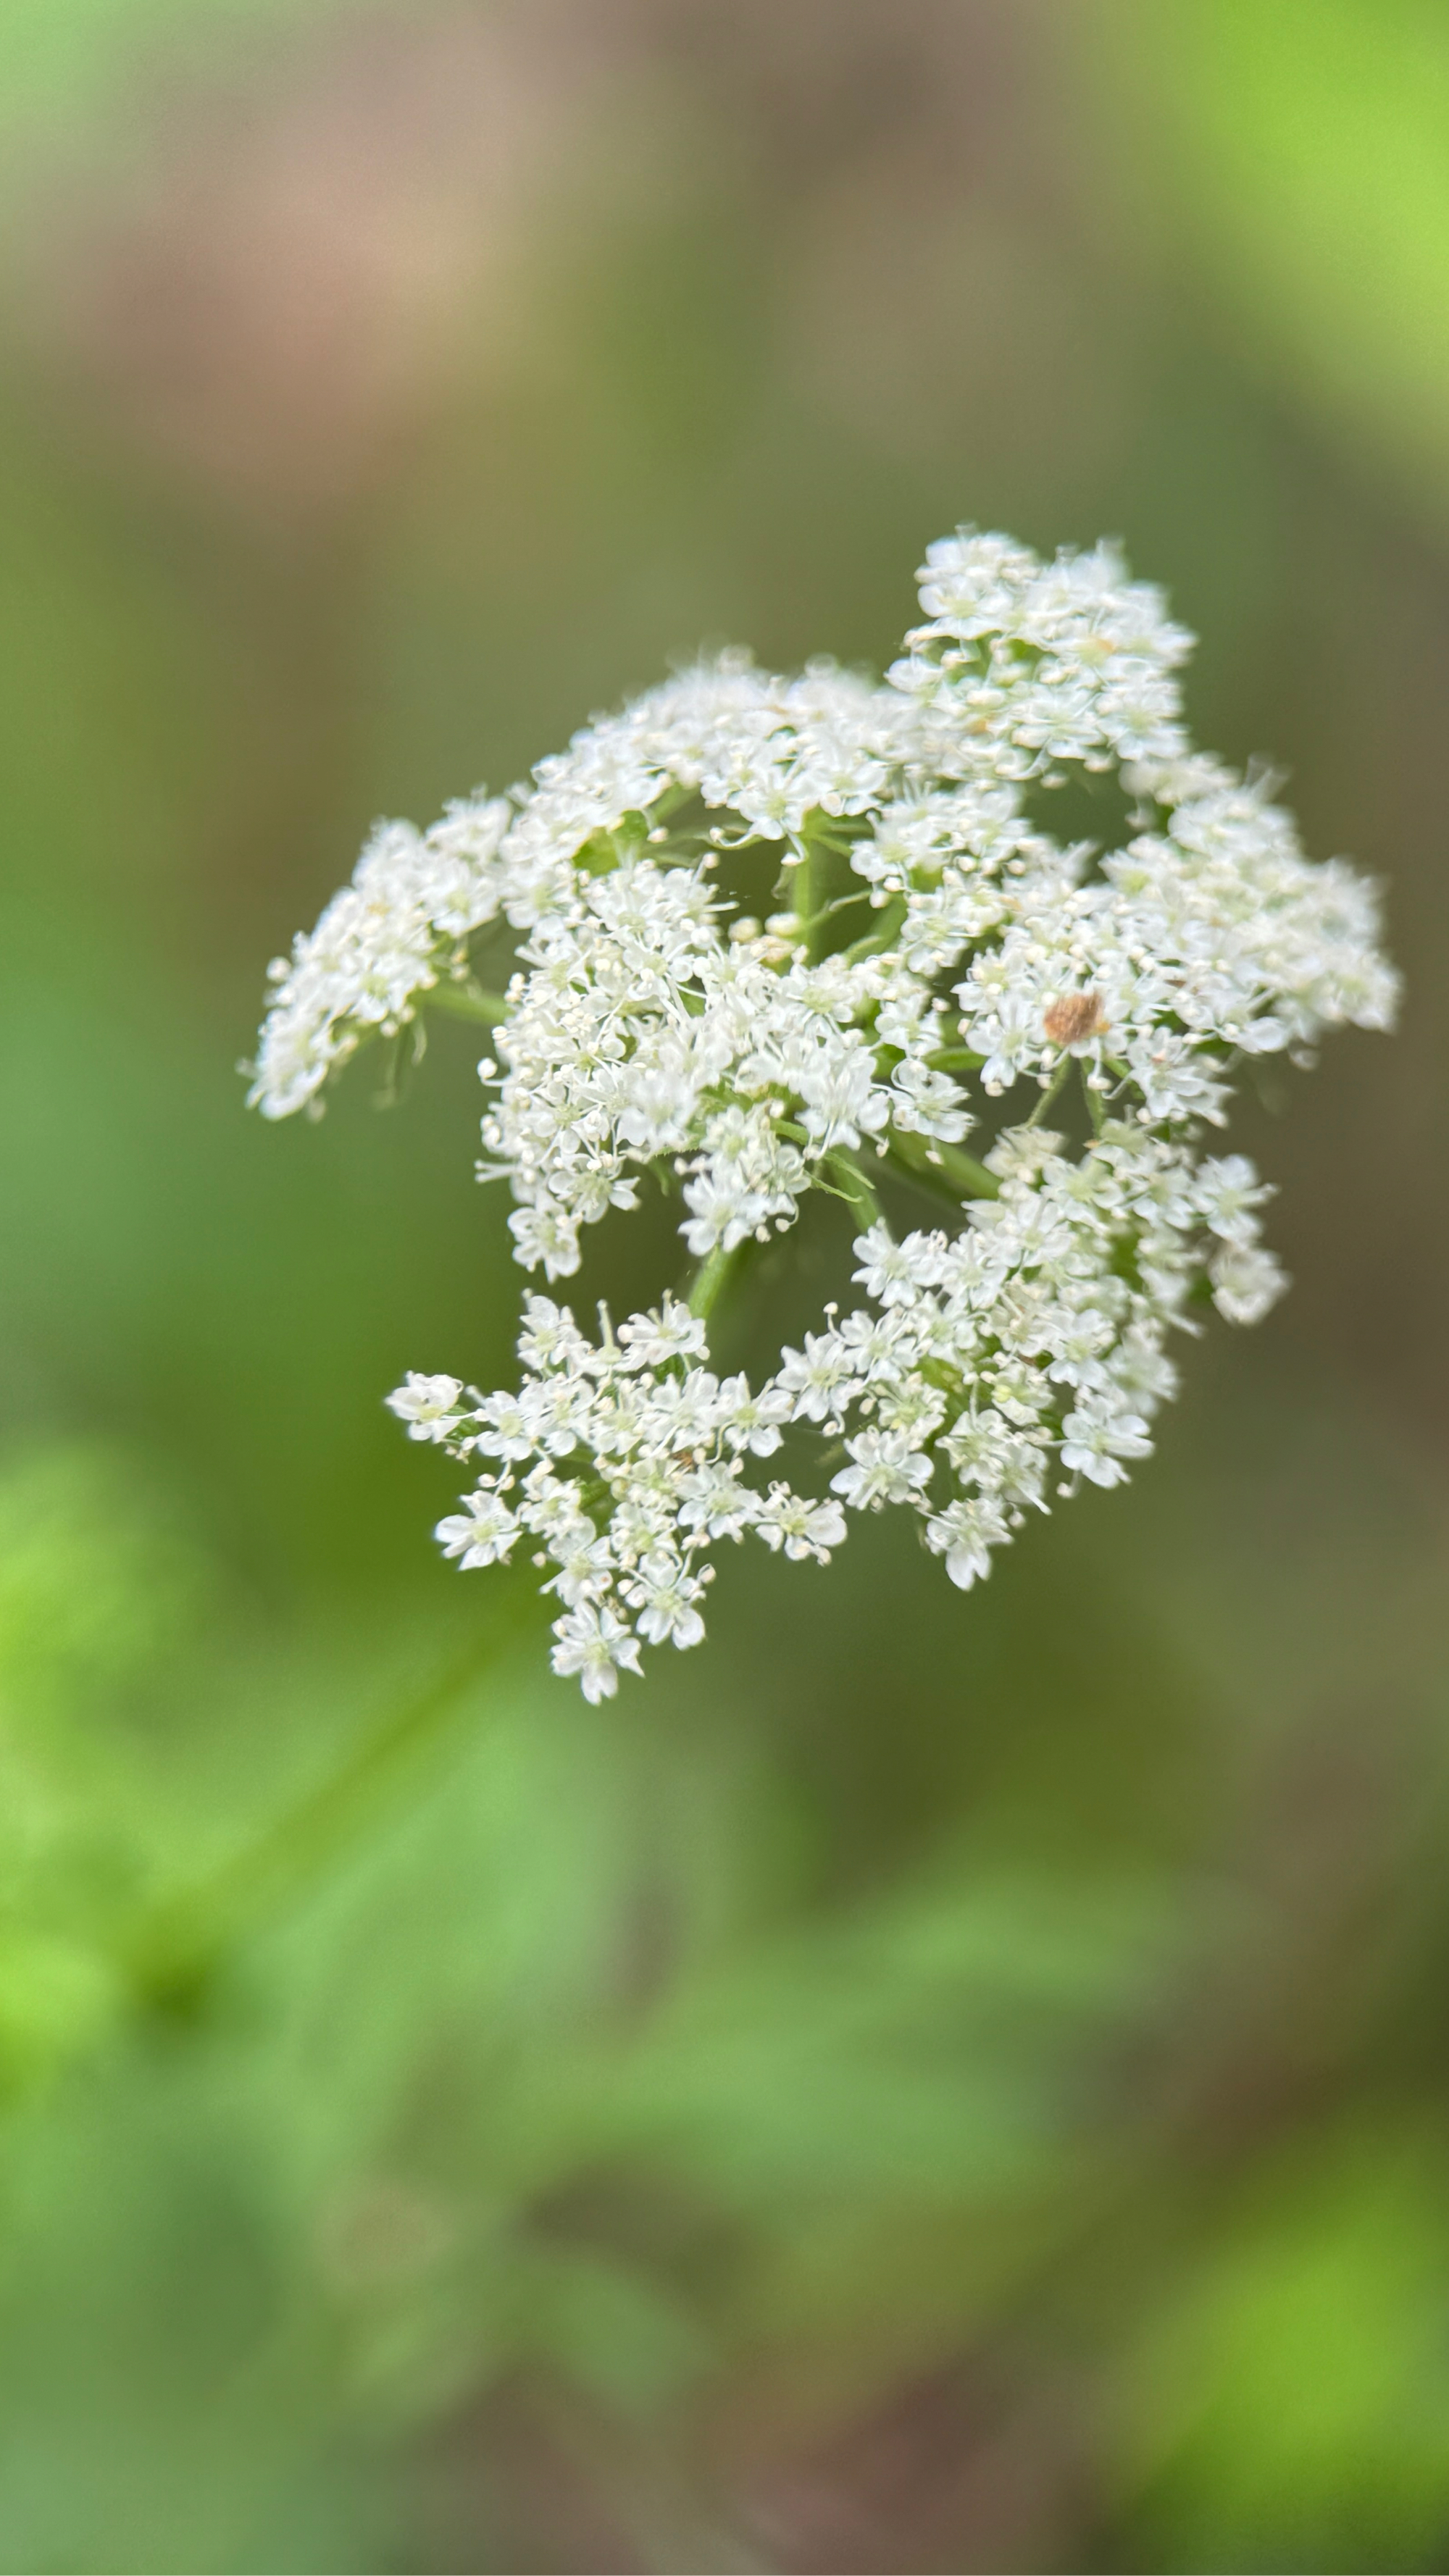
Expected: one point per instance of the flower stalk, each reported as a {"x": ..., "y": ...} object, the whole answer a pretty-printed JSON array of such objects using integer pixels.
[{"x": 172, "y": 1952}]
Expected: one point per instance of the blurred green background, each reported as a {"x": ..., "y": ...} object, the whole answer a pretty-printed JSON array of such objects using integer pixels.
[{"x": 924, "y": 2083}]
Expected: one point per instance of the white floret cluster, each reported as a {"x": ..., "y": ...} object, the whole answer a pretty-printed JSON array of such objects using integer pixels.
[
  {"x": 391, "y": 936},
  {"x": 936, "y": 947},
  {"x": 621, "y": 1461}
]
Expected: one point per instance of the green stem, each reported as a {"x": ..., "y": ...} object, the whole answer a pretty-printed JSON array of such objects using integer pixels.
[
  {"x": 468, "y": 1002},
  {"x": 943, "y": 1168},
  {"x": 892, "y": 916},
  {"x": 854, "y": 1186},
  {"x": 173, "y": 1950},
  {"x": 840, "y": 903},
  {"x": 1050, "y": 1093},
  {"x": 803, "y": 891},
  {"x": 712, "y": 1277}
]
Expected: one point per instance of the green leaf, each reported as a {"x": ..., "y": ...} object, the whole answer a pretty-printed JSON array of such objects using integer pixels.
[{"x": 1301, "y": 149}]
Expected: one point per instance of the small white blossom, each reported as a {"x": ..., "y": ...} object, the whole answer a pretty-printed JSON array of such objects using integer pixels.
[
  {"x": 965, "y": 1534},
  {"x": 1246, "y": 1282},
  {"x": 482, "y": 1533},
  {"x": 891, "y": 1272},
  {"x": 815, "y": 1378},
  {"x": 1228, "y": 1191},
  {"x": 585, "y": 1566},
  {"x": 594, "y": 1643},
  {"x": 665, "y": 1597},
  {"x": 884, "y": 1468},
  {"x": 752, "y": 1421},
  {"x": 428, "y": 1405},
  {"x": 800, "y": 1527},
  {"x": 1095, "y": 1443},
  {"x": 669, "y": 1333}
]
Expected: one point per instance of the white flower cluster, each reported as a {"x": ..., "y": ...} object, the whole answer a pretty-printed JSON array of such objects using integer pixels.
[
  {"x": 634, "y": 1431},
  {"x": 938, "y": 946},
  {"x": 384, "y": 941},
  {"x": 1035, "y": 1332}
]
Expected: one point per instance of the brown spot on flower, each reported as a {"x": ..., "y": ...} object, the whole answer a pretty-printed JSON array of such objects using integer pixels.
[{"x": 1074, "y": 1017}]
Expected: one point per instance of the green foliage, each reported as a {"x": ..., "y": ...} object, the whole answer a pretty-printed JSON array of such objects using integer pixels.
[
  {"x": 101, "y": 1596},
  {"x": 949, "y": 2082},
  {"x": 1294, "y": 2406},
  {"x": 1302, "y": 150},
  {"x": 97, "y": 1585},
  {"x": 62, "y": 59}
]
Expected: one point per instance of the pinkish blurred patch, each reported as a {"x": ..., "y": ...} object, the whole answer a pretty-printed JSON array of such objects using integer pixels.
[
  {"x": 307, "y": 250},
  {"x": 305, "y": 253}
]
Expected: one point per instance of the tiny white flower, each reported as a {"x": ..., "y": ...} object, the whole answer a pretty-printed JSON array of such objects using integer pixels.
[
  {"x": 965, "y": 1534},
  {"x": 549, "y": 1338},
  {"x": 888, "y": 1271},
  {"x": 884, "y": 1468},
  {"x": 545, "y": 1240},
  {"x": 505, "y": 1429},
  {"x": 1094, "y": 1444},
  {"x": 1246, "y": 1283},
  {"x": 552, "y": 1507},
  {"x": 665, "y": 1596},
  {"x": 593, "y": 1642},
  {"x": 668, "y": 1332},
  {"x": 1227, "y": 1193},
  {"x": 427, "y": 1405},
  {"x": 482, "y": 1533},
  {"x": 815, "y": 1377},
  {"x": 585, "y": 1566},
  {"x": 752, "y": 1421},
  {"x": 800, "y": 1527},
  {"x": 682, "y": 1413},
  {"x": 712, "y": 1499}
]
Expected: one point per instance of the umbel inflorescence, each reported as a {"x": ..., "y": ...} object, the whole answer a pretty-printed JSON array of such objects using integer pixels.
[{"x": 941, "y": 966}]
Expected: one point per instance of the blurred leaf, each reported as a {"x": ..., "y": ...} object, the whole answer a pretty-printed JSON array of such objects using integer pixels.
[
  {"x": 59, "y": 58},
  {"x": 56, "y": 1999},
  {"x": 1302, "y": 145},
  {"x": 98, "y": 1584},
  {"x": 1294, "y": 2404},
  {"x": 607, "y": 2327},
  {"x": 939, "y": 2043}
]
